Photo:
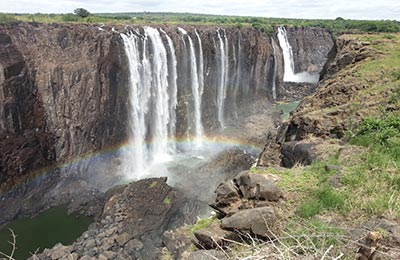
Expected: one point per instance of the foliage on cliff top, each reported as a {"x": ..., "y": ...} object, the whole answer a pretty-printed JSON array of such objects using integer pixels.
[{"x": 337, "y": 26}]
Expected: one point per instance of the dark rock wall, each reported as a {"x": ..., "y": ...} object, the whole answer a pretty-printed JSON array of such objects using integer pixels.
[
  {"x": 311, "y": 46},
  {"x": 63, "y": 94}
]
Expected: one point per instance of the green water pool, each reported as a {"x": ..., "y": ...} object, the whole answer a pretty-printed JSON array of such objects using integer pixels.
[
  {"x": 44, "y": 231},
  {"x": 287, "y": 108}
]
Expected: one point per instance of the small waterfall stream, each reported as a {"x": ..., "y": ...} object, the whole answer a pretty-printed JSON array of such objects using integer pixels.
[
  {"x": 275, "y": 70},
  {"x": 224, "y": 72},
  {"x": 288, "y": 60}
]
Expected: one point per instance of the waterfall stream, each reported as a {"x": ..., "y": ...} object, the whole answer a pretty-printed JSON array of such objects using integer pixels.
[
  {"x": 223, "y": 80},
  {"x": 275, "y": 70},
  {"x": 288, "y": 60}
]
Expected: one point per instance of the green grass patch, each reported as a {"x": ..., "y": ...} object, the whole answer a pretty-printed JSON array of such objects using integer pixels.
[
  {"x": 313, "y": 234},
  {"x": 323, "y": 199},
  {"x": 202, "y": 224}
]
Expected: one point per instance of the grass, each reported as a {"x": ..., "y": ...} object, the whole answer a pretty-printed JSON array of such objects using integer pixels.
[{"x": 202, "y": 224}]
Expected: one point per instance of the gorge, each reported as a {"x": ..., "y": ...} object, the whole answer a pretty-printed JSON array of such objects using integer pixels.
[{"x": 84, "y": 108}]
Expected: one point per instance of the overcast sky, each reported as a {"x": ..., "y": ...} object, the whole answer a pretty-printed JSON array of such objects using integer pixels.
[{"x": 366, "y": 9}]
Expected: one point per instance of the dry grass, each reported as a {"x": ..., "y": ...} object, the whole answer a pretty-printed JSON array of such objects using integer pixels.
[{"x": 13, "y": 247}]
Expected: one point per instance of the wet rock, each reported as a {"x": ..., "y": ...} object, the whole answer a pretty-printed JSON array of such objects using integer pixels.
[
  {"x": 207, "y": 255},
  {"x": 257, "y": 221}
]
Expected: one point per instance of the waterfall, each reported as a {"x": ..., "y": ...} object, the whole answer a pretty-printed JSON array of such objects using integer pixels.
[
  {"x": 150, "y": 99},
  {"x": 238, "y": 74},
  {"x": 223, "y": 80},
  {"x": 196, "y": 86},
  {"x": 288, "y": 74},
  {"x": 173, "y": 91},
  {"x": 201, "y": 66},
  {"x": 275, "y": 70}
]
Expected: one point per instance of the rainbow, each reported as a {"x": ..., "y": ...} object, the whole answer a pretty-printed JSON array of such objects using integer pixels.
[{"x": 38, "y": 175}]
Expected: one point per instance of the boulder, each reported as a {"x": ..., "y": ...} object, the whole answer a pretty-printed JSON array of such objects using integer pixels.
[
  {"x": 258, "y": 186},
  {"x": 257, "y": 221},
  {"x": 207, "y": 255},
  {"x": 228, "y": 199}
]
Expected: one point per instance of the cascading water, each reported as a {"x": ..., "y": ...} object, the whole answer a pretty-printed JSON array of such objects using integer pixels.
[
  {"x": 201, "y": 67},
  {"x": 223, "y": 80},
  {"x": 196, "y": 84},
  {"x": 287, "y": 55},
  {"x": 173, "y": 90},
  {"x": 150, "y": 104},
  {"x": 275, "y": 70},
  {"x": 289, "y": 74}
]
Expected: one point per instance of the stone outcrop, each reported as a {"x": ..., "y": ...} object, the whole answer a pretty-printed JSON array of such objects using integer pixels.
[
  {"x": 246, "y": 190},
  {"x": 131, "y": 225}
]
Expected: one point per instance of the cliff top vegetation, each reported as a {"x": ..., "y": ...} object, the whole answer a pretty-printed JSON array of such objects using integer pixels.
[{"x": 337, "y": 26}]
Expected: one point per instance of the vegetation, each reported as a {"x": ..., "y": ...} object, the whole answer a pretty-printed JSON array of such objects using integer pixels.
[
  {"x": 81, "y": 12},
  {"x": 202, "y": 223},
  {"x": 337, "y": 26}
]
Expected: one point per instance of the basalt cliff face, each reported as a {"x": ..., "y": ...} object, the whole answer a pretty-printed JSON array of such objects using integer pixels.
[
  {"x": 64, "y": 89},
  {"x": 63, "y": 94}
]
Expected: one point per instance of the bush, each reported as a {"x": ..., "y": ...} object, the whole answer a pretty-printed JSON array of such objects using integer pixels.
[
  {"x": 6, "y": 18},
  {"x": 69, "y": 18}
]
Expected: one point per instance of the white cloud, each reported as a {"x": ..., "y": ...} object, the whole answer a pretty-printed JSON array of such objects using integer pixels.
[{"x": 367, "y": 9}]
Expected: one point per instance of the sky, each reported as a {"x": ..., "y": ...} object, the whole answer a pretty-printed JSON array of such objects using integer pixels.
[{"x": 313, "y": 9}]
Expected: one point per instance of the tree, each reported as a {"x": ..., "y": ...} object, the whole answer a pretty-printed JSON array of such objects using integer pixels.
[{"x": 81, "y": 12}]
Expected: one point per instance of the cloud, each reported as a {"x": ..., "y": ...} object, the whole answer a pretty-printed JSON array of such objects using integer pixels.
[{"x": 367, "y": 9}]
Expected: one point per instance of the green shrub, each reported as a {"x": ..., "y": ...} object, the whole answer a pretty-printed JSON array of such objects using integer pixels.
[{"x": 6, "y": 18}]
